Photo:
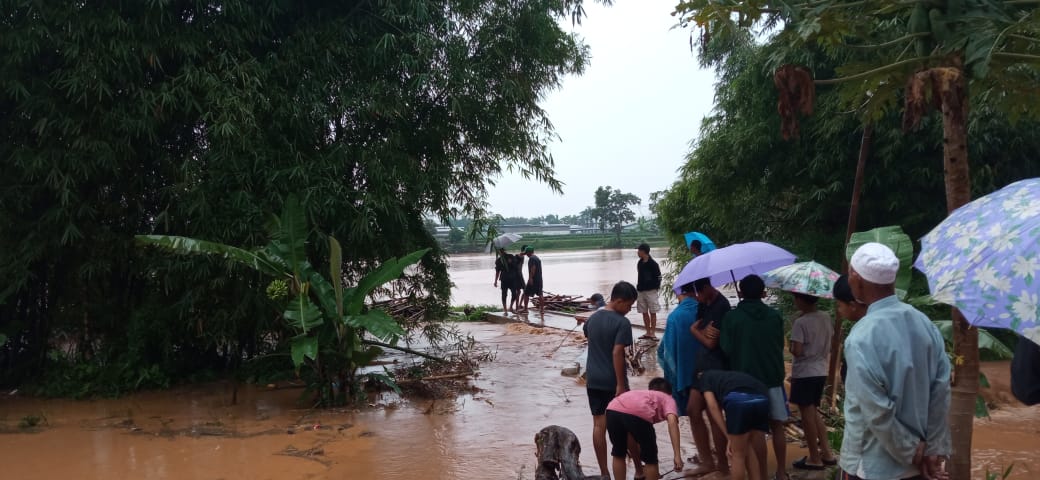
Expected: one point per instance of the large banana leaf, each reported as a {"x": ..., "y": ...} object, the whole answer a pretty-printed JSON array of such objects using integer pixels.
[
  {"x": 322, "y": 290},
  {"x": 986, "y": 340},
  {"x": 388, "y": 271},
  {"x": 290, "y": 237},
  {"x": 336, "y": 273},
  {"x": 257, "y": 260},
  {"x": 378, "y": 323},
  {"x": 893, "y": 237},
  {"x": 303, "y": 346},
  {"x": 301, "y": 313}
]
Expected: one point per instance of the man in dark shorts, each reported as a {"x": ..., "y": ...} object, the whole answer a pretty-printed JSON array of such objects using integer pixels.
[
  {"x": 609, "y": 333},
  {"x": 534, "y": 279},
  {"x": 503, "y": 272},
  {"x": 746, "y": 403}
]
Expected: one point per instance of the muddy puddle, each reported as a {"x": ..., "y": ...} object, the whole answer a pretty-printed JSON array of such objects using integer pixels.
[{"x": 194, "y": 432}]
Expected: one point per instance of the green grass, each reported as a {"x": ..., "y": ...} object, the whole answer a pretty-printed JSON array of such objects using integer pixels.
[{"x": 471, "y": 313}]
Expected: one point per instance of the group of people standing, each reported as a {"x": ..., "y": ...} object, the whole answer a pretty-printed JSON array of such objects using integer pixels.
[
  {"x": 728, "y": 363},
  {"x": 509, "y": 272}
]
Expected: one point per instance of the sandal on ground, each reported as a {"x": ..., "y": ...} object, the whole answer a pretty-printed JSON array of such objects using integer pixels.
[
  {"x": 803, "y": 465},
  {"x": 831, "y": 462}
]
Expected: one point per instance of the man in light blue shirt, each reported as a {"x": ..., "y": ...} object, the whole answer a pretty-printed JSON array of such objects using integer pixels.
[{"x": 897, "y": 392}]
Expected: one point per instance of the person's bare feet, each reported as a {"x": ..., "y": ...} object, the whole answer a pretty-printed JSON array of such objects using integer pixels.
[
  {"x": 722, "y": 463},
  {"x": 702, "y": 470}
]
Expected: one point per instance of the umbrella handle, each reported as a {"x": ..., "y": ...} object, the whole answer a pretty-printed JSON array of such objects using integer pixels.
[{"x": 735, "y": 283}]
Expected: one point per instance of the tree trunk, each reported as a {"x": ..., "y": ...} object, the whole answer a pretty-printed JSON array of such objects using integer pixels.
[
  {"x": 857, "y": 187},
  {"x": 950, "y": 84},
  {"x": 558, "y": 452}
]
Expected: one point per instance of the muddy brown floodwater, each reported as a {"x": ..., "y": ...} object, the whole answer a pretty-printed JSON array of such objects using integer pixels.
[
  {"x": 193, "y": 432},
  {"x": 580, "y": 272}
]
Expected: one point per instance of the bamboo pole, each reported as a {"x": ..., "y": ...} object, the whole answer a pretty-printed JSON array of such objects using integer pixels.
[{"x": 857, "y": 189}]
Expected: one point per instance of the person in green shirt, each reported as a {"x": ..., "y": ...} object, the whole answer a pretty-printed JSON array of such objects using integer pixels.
[{"x": 753, "y": 340}]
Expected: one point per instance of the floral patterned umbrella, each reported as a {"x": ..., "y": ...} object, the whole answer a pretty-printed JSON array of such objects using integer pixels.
[
  {"x": 809, "y": 278},
  {"x": 985, "y": 258}
]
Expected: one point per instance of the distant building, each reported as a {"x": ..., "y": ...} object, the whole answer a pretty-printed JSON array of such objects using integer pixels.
[
  {"x": 545, "y": 229},
  {"x": 583, "y": 230},
  {"x": 441, "y": 233}
]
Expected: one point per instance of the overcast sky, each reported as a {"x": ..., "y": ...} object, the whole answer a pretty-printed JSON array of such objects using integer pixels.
[{"x": 628, "y": 121}]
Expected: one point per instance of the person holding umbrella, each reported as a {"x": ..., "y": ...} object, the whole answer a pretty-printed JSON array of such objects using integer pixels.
[
  {"x": 677, "y": 355},
  {"x": 897, "y": 394},
  {"x": 504, "y": 271}
]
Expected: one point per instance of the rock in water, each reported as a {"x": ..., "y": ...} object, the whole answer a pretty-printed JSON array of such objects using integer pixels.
[{"x": 558, "y": 452}]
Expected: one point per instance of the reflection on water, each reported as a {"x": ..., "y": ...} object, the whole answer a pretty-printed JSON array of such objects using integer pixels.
[{"x": 581, "y": 272}]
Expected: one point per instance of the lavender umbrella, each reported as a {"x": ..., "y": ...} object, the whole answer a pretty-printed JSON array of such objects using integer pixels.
[
  {"x": 984, "y": 259},
  {"x": 729, "y": 264}
]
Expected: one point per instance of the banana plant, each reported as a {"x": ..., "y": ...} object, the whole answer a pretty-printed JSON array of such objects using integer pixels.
[
  {"x": 892, "y": 237},
  {"x": 329, "y": 321},
  {"x": 987, "y": 343}
]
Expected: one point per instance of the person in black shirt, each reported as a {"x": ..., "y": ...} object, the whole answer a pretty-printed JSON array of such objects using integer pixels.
[
  {"x": 534, "y": 279},
  {"x": 648, "y": 284},
  {"x": 504, "y": 272},
  {"x": 712, "y": 306},
  {"x": 746, "y": 404}
]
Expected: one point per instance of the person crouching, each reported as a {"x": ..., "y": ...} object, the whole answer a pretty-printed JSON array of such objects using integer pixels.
[{"x": 634, "y": 413}]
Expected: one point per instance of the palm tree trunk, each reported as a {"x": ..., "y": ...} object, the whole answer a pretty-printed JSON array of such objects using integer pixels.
[{"x": 953, "y": 90}]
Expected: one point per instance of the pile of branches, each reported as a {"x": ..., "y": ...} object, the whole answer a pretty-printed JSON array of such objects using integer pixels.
[
  {"x": 560, "y": 303},
  {"x": 405, "y": 310}
]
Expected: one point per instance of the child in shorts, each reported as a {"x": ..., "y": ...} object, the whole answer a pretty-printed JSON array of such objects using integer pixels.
[
  {"x": 745, "y": 402},
  {"x": 634, "y": 413}
]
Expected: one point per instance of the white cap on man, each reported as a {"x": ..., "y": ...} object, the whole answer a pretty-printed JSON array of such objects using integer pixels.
[{"x": 876, "y": 263}]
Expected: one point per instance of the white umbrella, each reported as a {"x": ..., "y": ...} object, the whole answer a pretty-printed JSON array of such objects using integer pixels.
[{"x": 504, "y": 240}]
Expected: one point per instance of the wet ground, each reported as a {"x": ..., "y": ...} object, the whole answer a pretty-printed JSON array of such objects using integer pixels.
[{"x": 194, "y": 432}]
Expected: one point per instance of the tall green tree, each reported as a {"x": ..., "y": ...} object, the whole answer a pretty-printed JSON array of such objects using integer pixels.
[
  {"x": 196, "y": 119},
  {"x": 613, "y": 210},
  {"x": 935, "y": 49}
]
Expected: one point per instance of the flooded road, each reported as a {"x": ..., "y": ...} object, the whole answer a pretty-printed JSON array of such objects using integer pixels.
[
  {"x": 194, "y": 432},
  {"x": 581, "y": 272}
]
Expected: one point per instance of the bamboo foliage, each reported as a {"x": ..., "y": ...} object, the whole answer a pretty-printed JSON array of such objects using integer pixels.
[{"x": 181, "y": 118}]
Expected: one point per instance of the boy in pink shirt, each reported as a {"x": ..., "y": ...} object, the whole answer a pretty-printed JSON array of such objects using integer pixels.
[{"x": 634, "y": 413}]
